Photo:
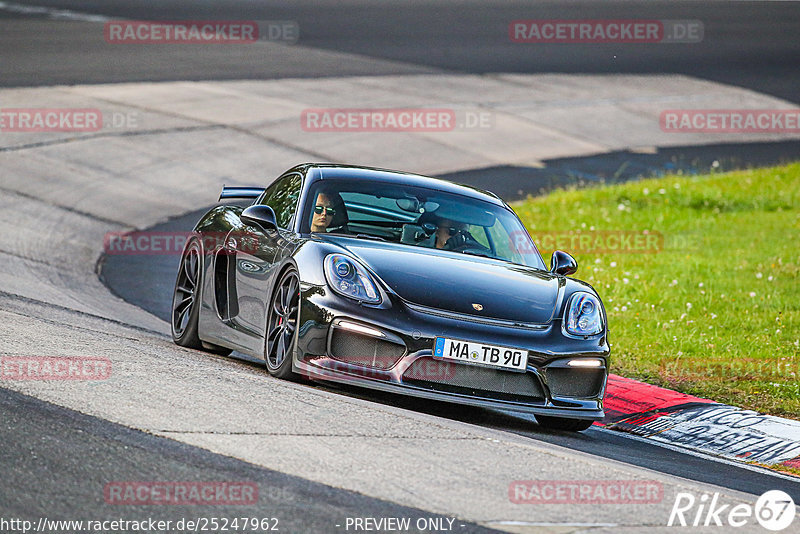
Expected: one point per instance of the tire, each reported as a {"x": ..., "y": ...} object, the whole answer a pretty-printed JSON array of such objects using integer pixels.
[
  {"x": 185, "y": 309},
  {"x": 185, "y": 302},
  {"x": 562, "y": 423},
  {"x": 279, "y": 339}
]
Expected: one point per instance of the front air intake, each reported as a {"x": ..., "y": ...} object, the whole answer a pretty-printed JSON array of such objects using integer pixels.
[
  {"x": 473, "y": 380},
  {"x": 361, "y": 349},
  {"x": 574, "y": 382}
]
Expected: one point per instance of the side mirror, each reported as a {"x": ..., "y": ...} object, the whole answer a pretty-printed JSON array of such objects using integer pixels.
[
  {"x": 562, "y": 263},
  {"x": 259, "y": 215}
]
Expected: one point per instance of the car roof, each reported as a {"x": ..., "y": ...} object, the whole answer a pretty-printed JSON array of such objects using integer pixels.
[{"x": 330, "y": 171}]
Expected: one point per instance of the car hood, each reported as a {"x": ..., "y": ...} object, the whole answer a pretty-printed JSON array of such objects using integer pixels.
[{"x": 458, "y": 282}]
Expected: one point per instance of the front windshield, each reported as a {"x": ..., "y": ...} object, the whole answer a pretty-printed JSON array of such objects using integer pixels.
[{"x": 418, "y": 217}]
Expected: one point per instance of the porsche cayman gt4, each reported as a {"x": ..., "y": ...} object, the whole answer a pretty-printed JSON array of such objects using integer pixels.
[{"x": 397, "y": 282}]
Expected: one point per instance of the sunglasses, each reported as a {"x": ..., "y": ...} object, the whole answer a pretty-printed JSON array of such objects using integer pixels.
[{"x": 319, "y": 210}]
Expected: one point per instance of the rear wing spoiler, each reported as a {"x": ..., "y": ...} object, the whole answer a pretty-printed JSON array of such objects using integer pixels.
[{"x": 240, "y": 192}]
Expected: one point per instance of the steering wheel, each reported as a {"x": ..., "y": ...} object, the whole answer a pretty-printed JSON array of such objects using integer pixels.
[{"x": 462, "y": 241}]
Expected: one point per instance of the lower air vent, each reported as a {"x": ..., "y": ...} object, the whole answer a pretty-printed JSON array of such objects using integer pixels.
[
  {"x": 360, "y": 349},
  {"x": 572, "y": 382},
  {"x": 473, "y": 380}
]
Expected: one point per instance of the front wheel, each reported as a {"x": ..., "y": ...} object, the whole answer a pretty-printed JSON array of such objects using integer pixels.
[
  {"x": 282, "y": 325},
  {"x": 562, "y": 423}
]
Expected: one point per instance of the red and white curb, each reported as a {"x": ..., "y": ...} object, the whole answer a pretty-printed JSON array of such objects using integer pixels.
[{"x": 700, "y": 424}]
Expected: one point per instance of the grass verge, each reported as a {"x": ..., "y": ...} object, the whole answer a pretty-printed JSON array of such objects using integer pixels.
[{"x": 700, "y": 277}]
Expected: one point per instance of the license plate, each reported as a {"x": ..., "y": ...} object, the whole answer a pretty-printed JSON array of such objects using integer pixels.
[{"x": 480, "y": 354}]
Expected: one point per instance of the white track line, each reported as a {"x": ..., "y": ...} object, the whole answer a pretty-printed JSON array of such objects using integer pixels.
[
  {"x": 52, "y": 13},
  {"x": 705, "y": 456}
]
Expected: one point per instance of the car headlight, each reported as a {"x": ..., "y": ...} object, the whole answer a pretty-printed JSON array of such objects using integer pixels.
[
  {"x": 348, "y": 278},
  {"x": 583, "y": 315}
]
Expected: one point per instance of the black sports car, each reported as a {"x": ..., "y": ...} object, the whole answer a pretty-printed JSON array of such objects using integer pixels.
[{"x": 396, "y": 282}]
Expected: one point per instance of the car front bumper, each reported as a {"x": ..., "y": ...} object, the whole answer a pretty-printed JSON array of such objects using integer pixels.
[{"x": 389, "y": 348}]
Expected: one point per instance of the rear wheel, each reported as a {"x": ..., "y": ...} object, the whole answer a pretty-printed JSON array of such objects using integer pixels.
[
  {"x": 282, "y": 325},
  {"x": 562, "y": 423},
  {"x": 186, "y": 302}
]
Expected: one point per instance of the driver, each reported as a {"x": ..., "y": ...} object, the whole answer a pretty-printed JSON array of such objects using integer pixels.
[{"x": 445, "y": 230}]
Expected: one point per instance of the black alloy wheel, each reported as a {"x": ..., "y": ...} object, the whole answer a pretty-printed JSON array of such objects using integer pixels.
[
  {"x": 184, "y": 298},
  {"x": 282, "y": 325}
]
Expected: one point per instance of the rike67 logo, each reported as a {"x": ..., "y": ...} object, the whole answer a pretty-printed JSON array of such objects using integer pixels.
[{"x": 774, "y": 510}]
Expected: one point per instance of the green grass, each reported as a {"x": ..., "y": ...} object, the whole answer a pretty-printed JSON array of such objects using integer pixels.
[{"x": 715, "y": 310}]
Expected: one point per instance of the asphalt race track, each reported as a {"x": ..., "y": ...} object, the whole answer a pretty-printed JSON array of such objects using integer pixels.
[
  {"x": 43, "y": 440},
  {"x": 321, "y": 454},
  {"x": 147, "y": 282},
  {"x": 749, "y": 44}
]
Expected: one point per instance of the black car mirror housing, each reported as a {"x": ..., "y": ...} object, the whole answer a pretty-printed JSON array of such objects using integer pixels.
[
  {"x": 562, "y": 263},
  {"x": 260, "y": 215}
]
